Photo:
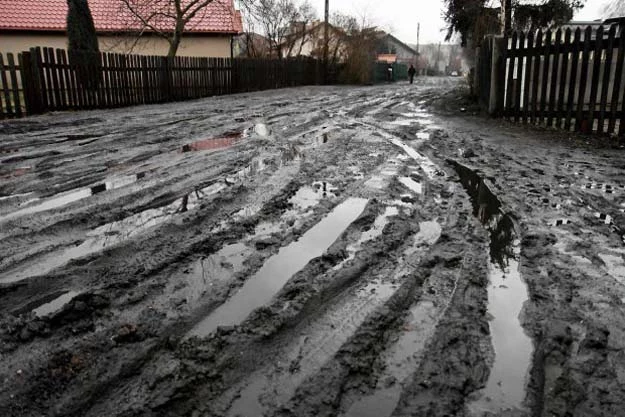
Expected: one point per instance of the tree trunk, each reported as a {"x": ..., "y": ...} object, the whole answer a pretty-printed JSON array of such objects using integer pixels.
[
  {"x": 506, "y": 15},
  {"x": 174, "y": 42}
]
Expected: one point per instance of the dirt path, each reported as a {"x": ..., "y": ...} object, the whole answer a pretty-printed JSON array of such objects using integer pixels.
[{"x": 323, "y": 251}]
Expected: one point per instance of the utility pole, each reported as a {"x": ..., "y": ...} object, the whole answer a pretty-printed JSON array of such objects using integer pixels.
[
  {"x": 418, "y": 30},
  {"x": 326, "y": 40},
  {"x": 438, "y": 57}
]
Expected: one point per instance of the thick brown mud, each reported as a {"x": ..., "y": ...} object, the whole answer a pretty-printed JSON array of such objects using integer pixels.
[{"x": 320, "y": 251}]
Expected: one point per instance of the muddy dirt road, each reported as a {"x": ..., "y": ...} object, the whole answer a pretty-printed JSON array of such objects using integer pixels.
[{"x": 322, "y": 251}]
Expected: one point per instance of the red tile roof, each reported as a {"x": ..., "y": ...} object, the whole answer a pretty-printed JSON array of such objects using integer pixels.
[{"x": 219, "y": 16}]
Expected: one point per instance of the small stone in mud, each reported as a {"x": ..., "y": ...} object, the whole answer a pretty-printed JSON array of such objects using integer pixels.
[
  {"x": 127, "y": 333},
  {"x": 466, "y": 152},
  {"x": 265, "y": 243}
]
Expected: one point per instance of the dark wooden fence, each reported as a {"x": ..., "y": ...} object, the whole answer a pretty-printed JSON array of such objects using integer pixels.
[
  {"x": 45, "y": 79},
  {"x": 484, "y": 62},
  {"x": 567, "y": 79},
  {"x": 11, "y": 97}
]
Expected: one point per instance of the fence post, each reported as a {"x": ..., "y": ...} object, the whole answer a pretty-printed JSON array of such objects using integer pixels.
[
  {"x": 30, "y": 83},
  {"x": 497, "y": 77}
]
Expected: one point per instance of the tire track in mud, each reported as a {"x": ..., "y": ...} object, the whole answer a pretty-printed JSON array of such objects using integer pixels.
[
  {"x": 278, "y": 310},
  {"x": 319, "y": 339},
  {"x": 130, "y": 366}
]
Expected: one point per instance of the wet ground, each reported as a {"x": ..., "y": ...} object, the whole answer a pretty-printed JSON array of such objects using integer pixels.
[{"x": 322, "y": 251}]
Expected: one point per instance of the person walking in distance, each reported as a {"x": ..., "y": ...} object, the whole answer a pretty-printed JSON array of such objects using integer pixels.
[{"x": 411, "y": 72}]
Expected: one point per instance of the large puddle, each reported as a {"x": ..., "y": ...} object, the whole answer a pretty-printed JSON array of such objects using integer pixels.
[
  {"x": 263, "y": 285},
  {"x": 55, "y": 305},
  {"x": 505, "y": 389}
]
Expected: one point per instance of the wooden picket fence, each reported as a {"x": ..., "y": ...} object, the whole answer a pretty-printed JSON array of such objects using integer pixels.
[
  {"x": 567, "y": 79},
  {"x": 44, "y": 79}
]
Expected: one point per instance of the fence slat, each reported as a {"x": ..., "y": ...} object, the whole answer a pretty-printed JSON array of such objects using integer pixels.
[
  {"x": 510, "y": 74},
  {"x": 573, "y": 79},
  {"x": 583, "y": 80},
  {"x": 553, "y": 80},
  {"x": 14, "y": 85},
  {"x": 564, "y": 69},
  {"x": 536, "y": 84},
  {"x": 606, "y": 78},
  {"x": 529, "y": 61},
  {"x": 4, "y": 89},
  {"x": 617, "y": 90},
  {"x": 519, "y": 76},
  {"x": 545, "y": 78},
  {"x": 594, "y": 86}
]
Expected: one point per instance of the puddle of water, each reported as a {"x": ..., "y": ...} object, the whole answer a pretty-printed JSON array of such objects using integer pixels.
[
  {"x": 507, "y": 293},
  {"x": 276, "y": 271},
  {"x": 412, "y": 184},
  {"x": 307, "y": 196},
  {"x": 615, "y": 266},
  {"x": 487, "y": 208},
  {"x": 423, "y": 135},
  {"x": 424, "y": 162},
  {"x": 72, "y": 196},
  {"x": 429, "y": 232},
  {"x": 513, "y": 348},
  {"x": 55, "y": 305},
  {"x": 376, "y": 230},
  {"x": 219, "y": 266}
]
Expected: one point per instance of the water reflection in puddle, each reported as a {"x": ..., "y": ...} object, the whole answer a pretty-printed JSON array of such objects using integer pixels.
[
  {"x": 505, "y": 389},
  {"x": 368, "y": 235},
  {"x": 306, "y": 196},
  {"x": 72, "y": 196},
  {"x": 55, "y": 305},
  {"x": 412, "y": 184},
  {"x": 424, "y": 162},
  {"x": 217, "y": 267},
  {"x": 276, "y": 271}
]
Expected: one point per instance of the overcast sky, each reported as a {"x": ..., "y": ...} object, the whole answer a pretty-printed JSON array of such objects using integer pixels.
[{"x": 400, "y": 17}]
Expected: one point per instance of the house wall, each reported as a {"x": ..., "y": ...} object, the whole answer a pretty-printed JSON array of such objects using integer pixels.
[{"x": 211, "y": 45}]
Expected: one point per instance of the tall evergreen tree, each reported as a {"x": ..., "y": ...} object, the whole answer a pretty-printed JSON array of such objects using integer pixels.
[
  {"x": 82, "y": 47},
  {"x": 80, "y": 28}
]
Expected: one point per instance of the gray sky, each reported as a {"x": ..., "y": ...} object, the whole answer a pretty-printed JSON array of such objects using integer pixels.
[{"x": 400, "y": 17}]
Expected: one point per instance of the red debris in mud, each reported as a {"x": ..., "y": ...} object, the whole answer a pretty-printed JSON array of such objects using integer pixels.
[{"x": 225, "y": 141}]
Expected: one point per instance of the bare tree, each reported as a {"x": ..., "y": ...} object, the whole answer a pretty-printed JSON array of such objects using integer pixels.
[
  {"x": 356, "y": 40},
  {"x": 165, "y": 18},
  {"x": 283, "y": 22},
  {"x": 614, "y": 8}
]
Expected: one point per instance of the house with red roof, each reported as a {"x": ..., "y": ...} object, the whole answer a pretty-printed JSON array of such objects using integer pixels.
[{"x": 28, "y": 23}]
